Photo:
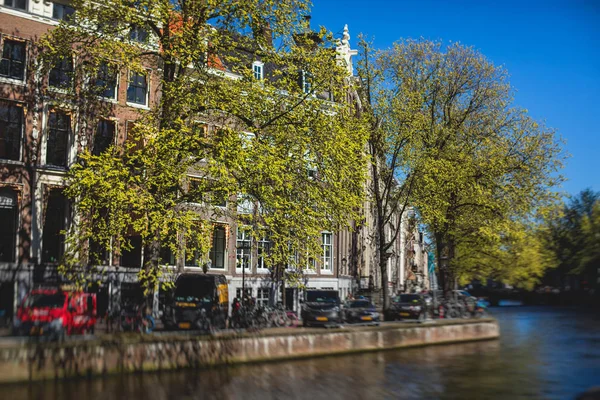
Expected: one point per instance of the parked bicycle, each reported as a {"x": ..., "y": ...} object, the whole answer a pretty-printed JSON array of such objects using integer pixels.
[{"x": 134, "y": 318}]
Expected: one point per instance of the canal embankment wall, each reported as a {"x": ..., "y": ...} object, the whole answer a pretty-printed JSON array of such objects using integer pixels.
[{"x": 113, "y": 354}]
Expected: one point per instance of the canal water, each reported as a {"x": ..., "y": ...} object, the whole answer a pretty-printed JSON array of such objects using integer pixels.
[{"x": 543, "y": 353}]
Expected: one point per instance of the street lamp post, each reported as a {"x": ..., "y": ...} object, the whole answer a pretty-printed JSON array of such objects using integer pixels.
[{"x": 344, "y": 262}]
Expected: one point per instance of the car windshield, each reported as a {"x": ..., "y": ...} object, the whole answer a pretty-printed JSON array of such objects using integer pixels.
[
  {"x": 43, "y": 300},
  {"x": 194, "y": 289},
  {"x": 321, "y": 297},
  {"x": 360, "y": 304},
  {"x": 408, "y": 298}
]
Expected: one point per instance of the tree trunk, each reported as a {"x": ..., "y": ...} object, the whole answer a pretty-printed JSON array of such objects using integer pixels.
[
  {"x": 354, "y": 257},
  {"x": 383, "y": 258},
  {"x": 151, "y": 268},
  {"x": 283, "y": 288},
  {"x": 445, "y": 253}
]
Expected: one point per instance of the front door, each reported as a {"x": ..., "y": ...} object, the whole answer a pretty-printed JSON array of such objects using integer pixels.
[{"x": 290, "y": 297}]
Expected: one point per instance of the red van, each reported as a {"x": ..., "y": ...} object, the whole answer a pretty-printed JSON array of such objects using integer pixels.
[{"x": 56, "y": 312}]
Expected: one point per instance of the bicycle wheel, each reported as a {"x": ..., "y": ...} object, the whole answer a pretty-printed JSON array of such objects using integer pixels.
[{"x": 452, "y": 313}]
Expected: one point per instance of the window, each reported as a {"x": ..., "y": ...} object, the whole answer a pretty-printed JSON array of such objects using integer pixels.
[
  {"x": 311, "y": 263},
  {"x": 62, "y": 11},
  {"x": 243, "y": 248},
  {"x": 55, "y": 215},
  {"x": 19, "y": 4},
  {"x": 106, "y": 81},
  {"x": 195, "y": 190},
  {"x": 217, "y": 252},
  {"x": 244, "y": 204},
  {"x": 257, "y": 69},
  {"x": 216, "y": 198},
  {"x": 8, "y": 227},
  {"x": 133, "y": 256},
  {"x": 305, "y": 82},
  {"x": 167, "y": 256},
  {"x": 105, "y": 136},
  {"x": 293, "y": 261},
  {"x": 247, "y": 291},
  {"x": 137, "y": 92},
  {"x": 327, "y": 264},
  {"x": 264, "y": 246},
  {"x": 219, "y": 198},
  {"x": 134, "y": 140},
  {"x": 138, "y": 34},
  {"x": 262, "y": 297},
  {"x": 98, "y": 255},
  {"x": 13, "y": 60},
  {"x": 99, "y": 250},
  {"x": 11, "y": 126},
  {"x": 61, "y": 74},
  {"x": 192, "y": 259},
  {"x": 59, "y": 129}
]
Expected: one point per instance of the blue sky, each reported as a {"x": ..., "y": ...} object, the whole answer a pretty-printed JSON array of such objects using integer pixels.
[{"x": 550, "y": 48}]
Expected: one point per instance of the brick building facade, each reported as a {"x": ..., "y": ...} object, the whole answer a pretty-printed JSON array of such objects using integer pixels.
[{"x": 41, "y": 132}]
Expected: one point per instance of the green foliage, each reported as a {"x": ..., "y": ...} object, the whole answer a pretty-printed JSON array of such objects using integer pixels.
[
  {"x": 573, "y": 234},
  {"x": 481, "y": 167},
  {"x": 264, "y": 136},
  {"x": 518, "y": 257}
]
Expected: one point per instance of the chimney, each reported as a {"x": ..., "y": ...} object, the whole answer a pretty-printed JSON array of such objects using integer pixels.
[
  {"x": 307, "y": 38},
  {"x": 307, "y": 19},
  {"x": 263, "y": 32}
]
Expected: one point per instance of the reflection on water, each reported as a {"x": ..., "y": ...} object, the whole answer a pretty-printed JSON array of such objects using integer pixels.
[{"x": 543, "y": 353}]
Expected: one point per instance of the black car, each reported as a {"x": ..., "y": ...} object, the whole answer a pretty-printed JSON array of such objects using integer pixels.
[
  {"x": 407, "y": 306},
  {"x": 321, "y": 308},
  {"x": 198, "y": 301},
  {"x": 360, "y": 311}
]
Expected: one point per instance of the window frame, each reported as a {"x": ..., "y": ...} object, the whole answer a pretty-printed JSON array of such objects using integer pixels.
[
  {"x": 258, "y": 70},
  {"x": 62, "y": 7},
  {"x": 239, "y": 294},
  {"x": 19, "y": 140},
  {"x": 17, "y": 8},
  {"x": 64, "y": 224},
  {"x": 262, "y": 300},
  {"x": 9, "y": 78},
  {"x": 67, "y": 139},
  {"x": 115, "y": 88},
  {"x": 327, "y": 260},
  {"x": 212, "y": 254},
  {"x": 69, "y": 85},
  {"x": 263, "y": 244},
  {"x": 246, "y": 252},
  {"x": 133, "y": 103},
  {"x": 114, "y": 124},
  {"x": 134, "y": 34},
  {"x": 14, "y": 238},
  {"x": 306, "y": 84}
]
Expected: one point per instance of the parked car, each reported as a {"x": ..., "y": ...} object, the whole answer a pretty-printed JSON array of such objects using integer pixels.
[
  {"x": 321, "y": 307},
  {"x": 56, "y": 313},
  {"x": 360, "y": 311},
  {"x": 198, "y": 301},
  {"x": 406, "y": 306}
]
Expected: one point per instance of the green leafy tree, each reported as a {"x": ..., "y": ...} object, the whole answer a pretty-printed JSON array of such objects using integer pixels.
[
  {"x": 392, "y": 122},
  {"x": 572, "y": 235},
  {"x": 477, "y": 163},
  {"x": 591, "y": 230},
  {"x": 519, "y": 256},
  {"x": 282, "y": 135}
]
